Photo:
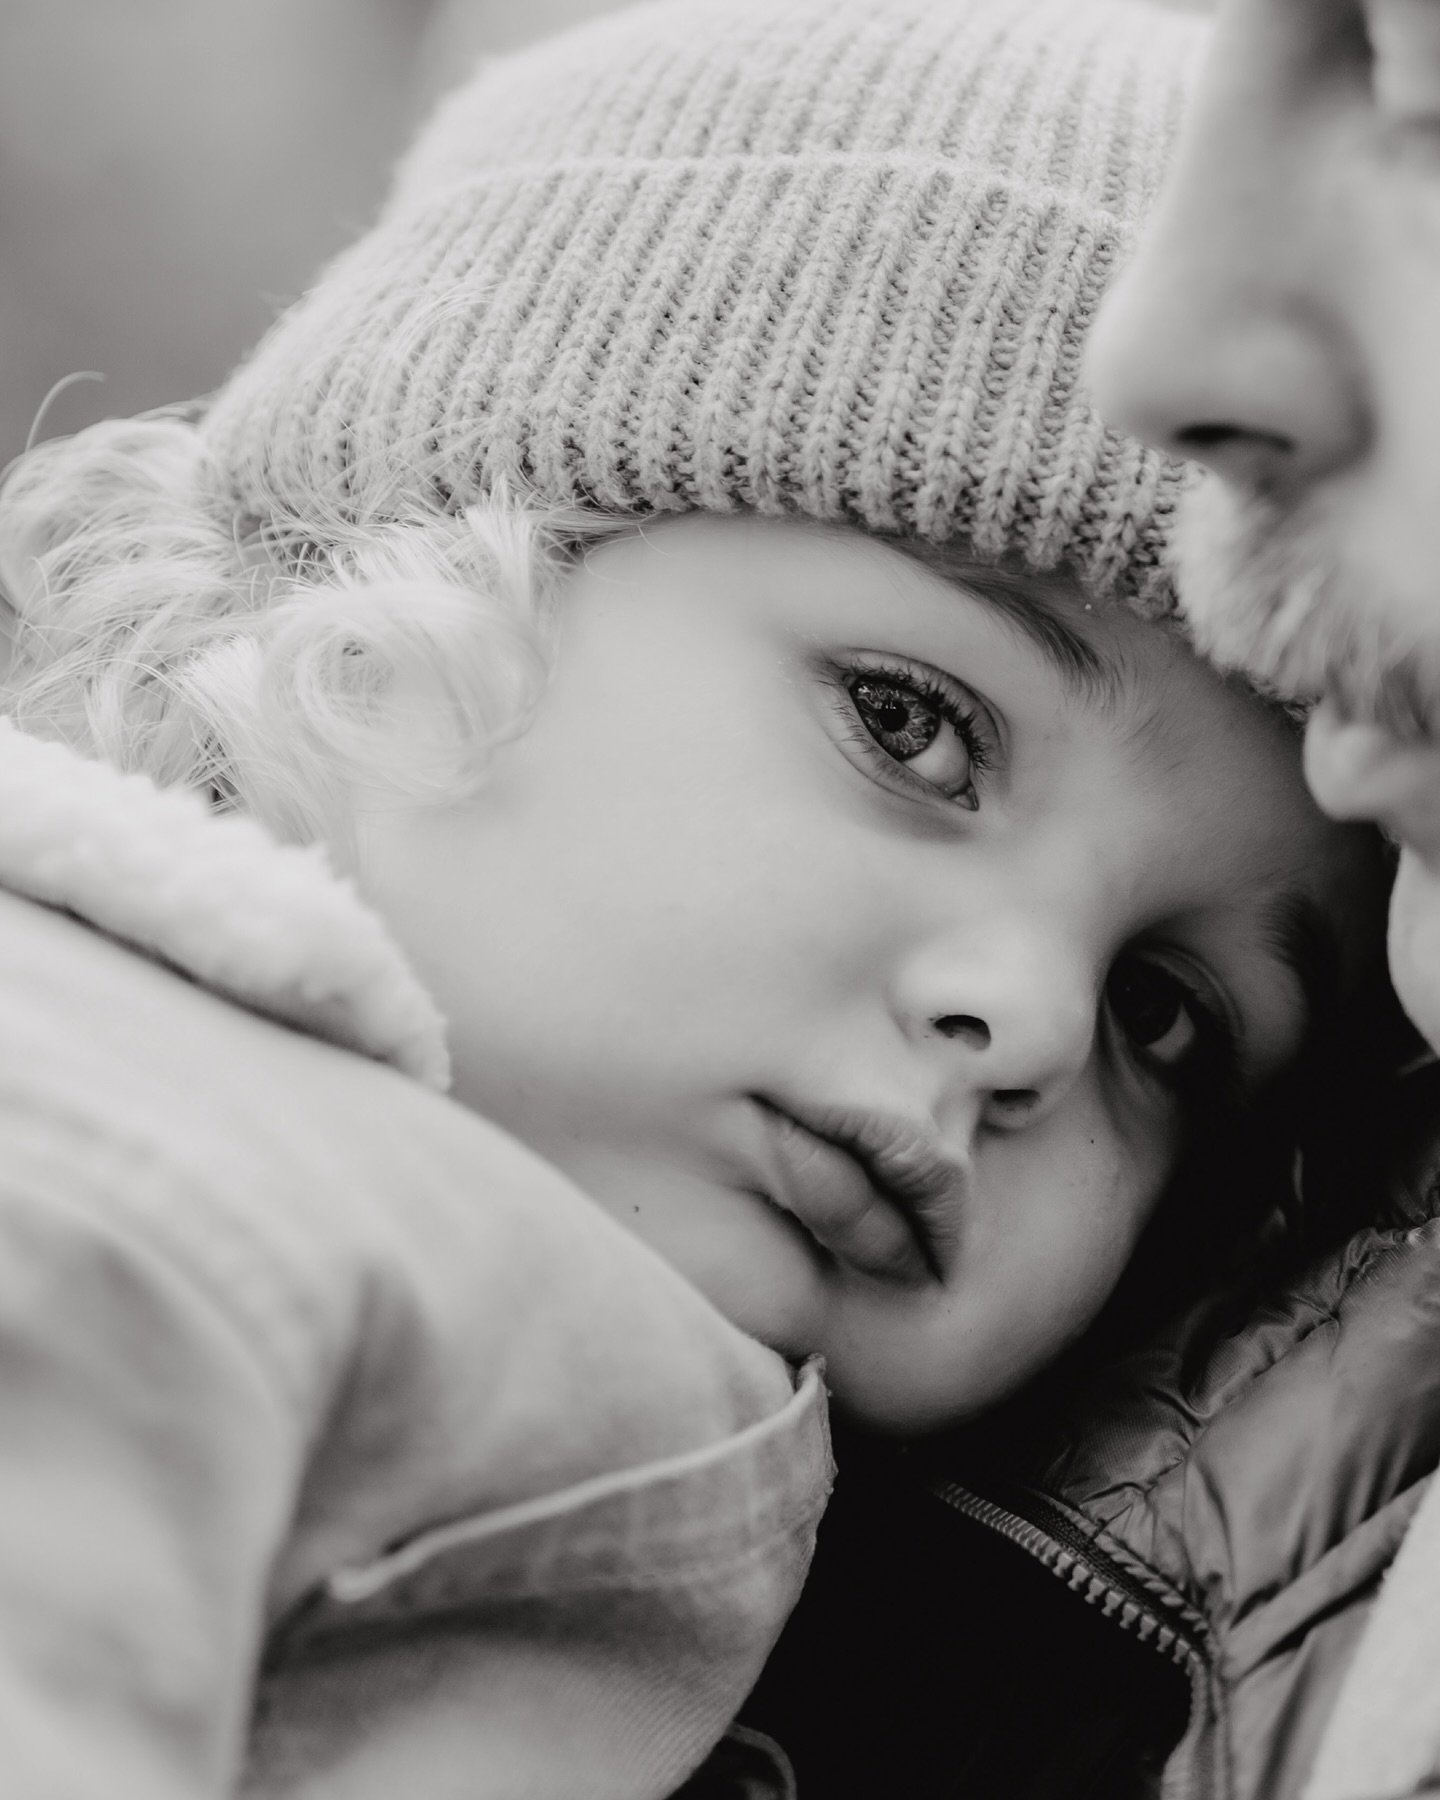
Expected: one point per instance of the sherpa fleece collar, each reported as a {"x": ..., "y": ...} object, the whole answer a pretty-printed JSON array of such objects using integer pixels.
[{"x": 267, "y": 924}]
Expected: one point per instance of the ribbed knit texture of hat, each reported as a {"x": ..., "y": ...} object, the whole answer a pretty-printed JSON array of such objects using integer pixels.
[{"x": 834, "y": 258}]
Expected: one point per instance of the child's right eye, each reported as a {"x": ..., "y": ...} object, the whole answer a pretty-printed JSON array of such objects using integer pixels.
[{"x": 919, "y": 728}]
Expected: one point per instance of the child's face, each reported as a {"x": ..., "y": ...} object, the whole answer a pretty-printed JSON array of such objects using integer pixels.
[{"x": 864, "y": 950}]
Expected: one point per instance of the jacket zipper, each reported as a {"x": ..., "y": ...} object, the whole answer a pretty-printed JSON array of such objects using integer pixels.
[{"x": 1070, "y": 1555}]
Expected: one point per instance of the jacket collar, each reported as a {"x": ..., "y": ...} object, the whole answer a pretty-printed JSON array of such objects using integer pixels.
[{"x": 266, "y": 924}]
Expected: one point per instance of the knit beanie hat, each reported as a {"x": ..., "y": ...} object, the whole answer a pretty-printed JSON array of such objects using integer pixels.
[{"x": 834, "y": 258}]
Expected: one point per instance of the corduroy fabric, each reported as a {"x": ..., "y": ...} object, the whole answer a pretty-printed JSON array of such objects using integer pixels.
[{"x": 827, "y": 257}]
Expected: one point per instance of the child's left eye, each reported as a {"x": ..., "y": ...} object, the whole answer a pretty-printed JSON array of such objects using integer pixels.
[
  {"x": 931, "y": 734},
  {"x": 1154, "y": 1009},
  {"x": 1185, "y": 1039}
]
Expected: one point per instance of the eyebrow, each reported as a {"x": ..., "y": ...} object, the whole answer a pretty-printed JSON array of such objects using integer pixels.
[{"x": 1085, "y": 672}]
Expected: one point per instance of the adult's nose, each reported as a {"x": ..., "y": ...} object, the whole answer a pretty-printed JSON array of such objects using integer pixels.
[
  {"x": 1217, "y": 344},
  {"x": 1005, "y": 1011}
]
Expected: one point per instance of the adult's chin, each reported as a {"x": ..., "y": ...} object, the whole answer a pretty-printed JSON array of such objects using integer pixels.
[{"x": 1415, "y": 943}]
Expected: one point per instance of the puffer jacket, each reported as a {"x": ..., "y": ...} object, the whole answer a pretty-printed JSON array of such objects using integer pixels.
[
  {"x": 1155, "y": 1585},
  {"x": 349, "y": 1449}
]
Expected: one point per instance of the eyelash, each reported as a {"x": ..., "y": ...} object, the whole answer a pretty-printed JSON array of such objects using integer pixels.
[{"x": 955, "y": 706}]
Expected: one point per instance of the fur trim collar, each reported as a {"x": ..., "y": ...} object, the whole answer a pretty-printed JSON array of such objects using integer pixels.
[{"x": 267, "y": 924}]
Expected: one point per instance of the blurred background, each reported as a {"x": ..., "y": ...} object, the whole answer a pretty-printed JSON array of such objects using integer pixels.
[{"x": 173, "y": 171}]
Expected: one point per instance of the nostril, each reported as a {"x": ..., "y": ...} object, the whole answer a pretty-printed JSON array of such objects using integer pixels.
[
  {"x": 1205, "y": 439},
  {"x": 967, "y": 1029}
]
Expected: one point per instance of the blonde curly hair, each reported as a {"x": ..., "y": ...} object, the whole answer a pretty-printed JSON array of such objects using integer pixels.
[{"x": 280, "y": 668}]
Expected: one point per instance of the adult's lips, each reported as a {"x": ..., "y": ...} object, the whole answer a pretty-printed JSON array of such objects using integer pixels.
[{"x": 879, "y": 1193}]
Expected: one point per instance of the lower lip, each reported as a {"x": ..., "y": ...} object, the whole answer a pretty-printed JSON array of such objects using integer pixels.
[{"x": 826, "y": 1191}]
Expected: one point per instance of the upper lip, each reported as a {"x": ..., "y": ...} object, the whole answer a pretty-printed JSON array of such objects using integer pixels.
[{"x": 904, "y": 1163}]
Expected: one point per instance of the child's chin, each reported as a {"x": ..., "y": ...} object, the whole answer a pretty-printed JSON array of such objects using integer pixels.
[{"x": 879, "y": 1387}]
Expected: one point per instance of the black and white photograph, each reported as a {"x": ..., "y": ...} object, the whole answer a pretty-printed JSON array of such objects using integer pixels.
[{"x": 719, "y": 899}]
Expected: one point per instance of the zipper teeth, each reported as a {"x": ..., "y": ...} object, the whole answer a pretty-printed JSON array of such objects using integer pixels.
[{"x": 1078, "y": 1573}]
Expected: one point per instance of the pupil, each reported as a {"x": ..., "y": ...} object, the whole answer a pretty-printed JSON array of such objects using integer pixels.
[
  {"x": 1147, "y": 1002},
  {"x": 889, "y": 711},
  {"x": 890, "y": 715}
]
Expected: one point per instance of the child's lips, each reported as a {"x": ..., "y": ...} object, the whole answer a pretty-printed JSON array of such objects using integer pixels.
[{"x": 878, "y": 1193}]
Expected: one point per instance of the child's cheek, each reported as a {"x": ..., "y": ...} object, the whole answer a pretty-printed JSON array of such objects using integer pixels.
[{"x": 1415, "y": 944}]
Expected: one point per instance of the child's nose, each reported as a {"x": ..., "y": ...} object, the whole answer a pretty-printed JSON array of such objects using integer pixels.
[{"x": 1009, "y": 1015}]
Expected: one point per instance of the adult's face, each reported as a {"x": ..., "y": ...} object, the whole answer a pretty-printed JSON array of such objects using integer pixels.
[{"x": 1282, "y": 325}]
